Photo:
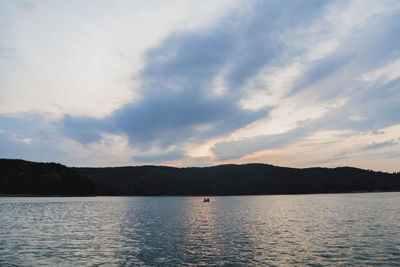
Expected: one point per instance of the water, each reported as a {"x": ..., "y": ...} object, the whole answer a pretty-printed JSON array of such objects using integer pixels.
[{"x": 334, "y": 229}]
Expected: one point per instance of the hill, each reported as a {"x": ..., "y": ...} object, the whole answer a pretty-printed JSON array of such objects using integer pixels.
[
  {"x": 248, "y": 179},
  {"x": 25, "y": 177}
]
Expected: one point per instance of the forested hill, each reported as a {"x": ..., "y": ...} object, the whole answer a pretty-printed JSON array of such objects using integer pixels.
[
  {"x": 248, "y": 179},
  {"x": 24, "y": 177},
  {"x": 30, "y": 178}
]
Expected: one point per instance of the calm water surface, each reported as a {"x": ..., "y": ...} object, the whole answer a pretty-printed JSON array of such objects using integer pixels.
[{"x": 334, "y": 229}]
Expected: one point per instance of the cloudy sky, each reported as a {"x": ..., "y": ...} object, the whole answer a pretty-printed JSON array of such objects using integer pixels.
[{"x": 199, "y": 83}]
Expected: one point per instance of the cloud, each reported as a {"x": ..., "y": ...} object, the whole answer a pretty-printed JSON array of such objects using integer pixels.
[
  {"x": 79, "y": 58},
  {"x": 83, "y": 129},
  {"x": 377, "y": 132},
  {"x": 29, "y": 136},
  {"x": 264, "y": 76},
  {"x": 374, "y": 145},
  {"x": 377, "y": 106},
  {"x": 38, "y": 138},
  {"x": 177, "y": 102},
  {"x": 227, "y": 150},
  {"x": 164, "y": 119},
  {"x": 335, "y": 77}
]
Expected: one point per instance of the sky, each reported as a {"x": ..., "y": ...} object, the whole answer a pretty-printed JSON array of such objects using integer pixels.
[{"x": 200, "y": 83}]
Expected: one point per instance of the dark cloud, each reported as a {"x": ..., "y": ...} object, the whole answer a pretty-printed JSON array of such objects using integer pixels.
[
  {"x": 83, "y": 129},
  {"x": 173, "y": 118},
  {"x": 165, "y": 120}
]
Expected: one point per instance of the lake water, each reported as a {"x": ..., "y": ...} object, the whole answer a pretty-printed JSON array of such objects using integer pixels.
[{"x": 335, "y": 229}]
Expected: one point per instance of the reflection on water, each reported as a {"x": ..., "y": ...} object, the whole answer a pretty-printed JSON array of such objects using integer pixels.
[{"x": 337, "y": 229}]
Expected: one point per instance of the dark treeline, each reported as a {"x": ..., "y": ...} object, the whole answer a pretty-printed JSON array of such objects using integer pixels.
[
  {"x": 23, "y": 177},
  {"x": 248, "y": 179}
]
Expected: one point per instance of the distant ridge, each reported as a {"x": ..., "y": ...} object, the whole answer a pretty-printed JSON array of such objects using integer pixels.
[
  {"x": 247, "y": 179},
  {"x": 24, "y": 177},
  {"x": 30, "y": 178}
]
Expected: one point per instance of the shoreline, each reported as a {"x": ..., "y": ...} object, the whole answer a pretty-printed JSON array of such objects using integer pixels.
[{"x": 322, "y": 193}]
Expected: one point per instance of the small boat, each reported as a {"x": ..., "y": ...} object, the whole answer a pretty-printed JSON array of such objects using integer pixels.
[{"x": 206, "y": 200}]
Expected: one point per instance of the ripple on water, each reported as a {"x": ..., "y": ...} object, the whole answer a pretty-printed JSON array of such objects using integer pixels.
[{"x": 337, "y": 229}]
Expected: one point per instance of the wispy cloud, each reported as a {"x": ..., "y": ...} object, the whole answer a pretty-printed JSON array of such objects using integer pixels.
[{"x": 374, "y": 145}]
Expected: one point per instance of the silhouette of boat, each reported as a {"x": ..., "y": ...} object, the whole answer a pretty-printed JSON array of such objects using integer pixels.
[{"x": 206, "y": 200}]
